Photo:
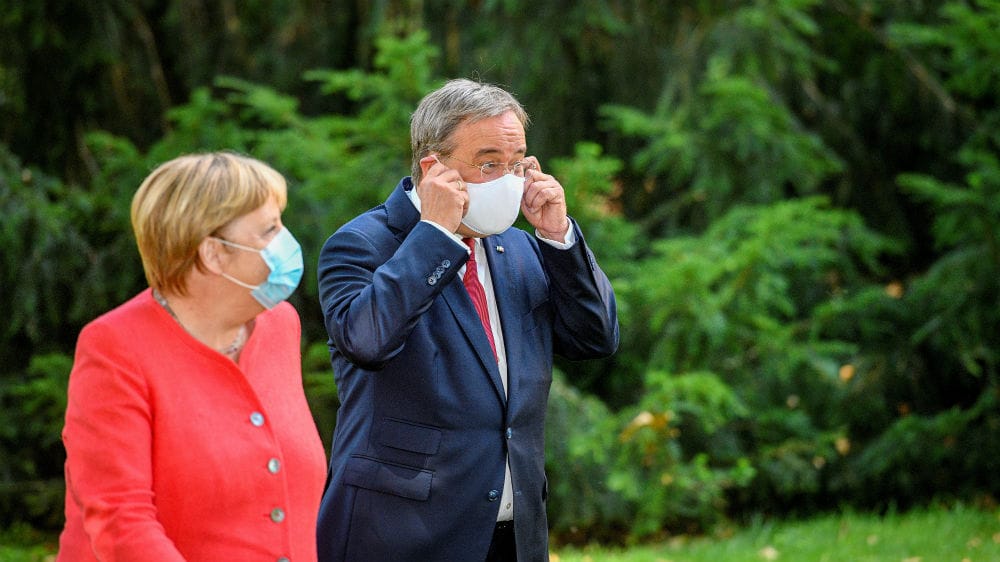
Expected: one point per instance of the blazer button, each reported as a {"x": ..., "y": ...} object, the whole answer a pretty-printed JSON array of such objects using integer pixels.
[
  {"x": 446, "y": 263},
  {"x": 432, "y": 280},
  {"x": 494, "y": 495},
  {"x": 510, "y": 432},
  {"x": 277, "y": 515}
]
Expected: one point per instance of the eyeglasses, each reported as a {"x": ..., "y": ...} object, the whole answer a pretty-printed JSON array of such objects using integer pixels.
[{"x": 492, "y": 170}]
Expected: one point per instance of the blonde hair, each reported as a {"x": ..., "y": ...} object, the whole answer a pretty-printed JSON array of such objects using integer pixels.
[{"x": 189, "y": 198}]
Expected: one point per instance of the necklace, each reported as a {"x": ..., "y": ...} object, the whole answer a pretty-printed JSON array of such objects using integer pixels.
[{"x": 229, "y": 351}]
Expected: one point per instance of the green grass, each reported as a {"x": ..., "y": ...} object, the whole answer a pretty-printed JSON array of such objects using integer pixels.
[
  {"x": 939, "y": 535},
  {"x": 959, "y": 534}
]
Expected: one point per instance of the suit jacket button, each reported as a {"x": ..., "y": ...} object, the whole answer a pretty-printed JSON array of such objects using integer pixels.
[
  {"x": 432, "y": 280},
  {"x": 446, "y": 263},
  {"x": 494, "y": 495},
  {"x": 510, "y": 432}
]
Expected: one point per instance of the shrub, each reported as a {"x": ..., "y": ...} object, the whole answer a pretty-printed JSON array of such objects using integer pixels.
[
  {"x": 954, "y": 454},
  {"x": 579, "y": 451},
  {"x": 31, "y": 419},
  {"x": 675, "y": 462}
]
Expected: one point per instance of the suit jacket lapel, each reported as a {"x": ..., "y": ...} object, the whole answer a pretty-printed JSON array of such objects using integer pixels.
[
  {"x": 505, "y": 293},
  {"x": 465, "y": 314}
]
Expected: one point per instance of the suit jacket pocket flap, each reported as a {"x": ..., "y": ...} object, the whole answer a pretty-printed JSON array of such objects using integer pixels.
[
  {"x": 388, "y": 478},
  {"x": 411, "y": 437}
]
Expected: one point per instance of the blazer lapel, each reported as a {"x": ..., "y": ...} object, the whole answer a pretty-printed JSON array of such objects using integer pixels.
[
  {"x": 465, "y": 314},
  {"x": 505, "y": 294}
]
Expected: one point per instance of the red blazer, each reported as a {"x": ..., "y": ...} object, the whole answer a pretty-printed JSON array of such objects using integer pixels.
[{"x": 174, "y": 452}]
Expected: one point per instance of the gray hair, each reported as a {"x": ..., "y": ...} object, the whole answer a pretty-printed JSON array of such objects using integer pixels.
[{"x": 444, "y": 109}]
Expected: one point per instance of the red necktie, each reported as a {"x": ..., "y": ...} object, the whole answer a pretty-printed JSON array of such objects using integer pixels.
[{"x": 475, "y": 288}]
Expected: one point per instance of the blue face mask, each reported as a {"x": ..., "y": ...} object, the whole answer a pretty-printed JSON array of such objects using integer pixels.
[{"x": 283, "y": 256}]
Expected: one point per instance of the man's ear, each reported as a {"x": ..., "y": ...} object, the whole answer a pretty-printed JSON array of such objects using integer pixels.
[
  {"x": 210, "y": 253},
  {"x": 426, "y": 163}
]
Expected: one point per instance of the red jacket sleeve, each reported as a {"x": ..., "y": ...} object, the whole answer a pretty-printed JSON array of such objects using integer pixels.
[{"x": 108, "y": 441}]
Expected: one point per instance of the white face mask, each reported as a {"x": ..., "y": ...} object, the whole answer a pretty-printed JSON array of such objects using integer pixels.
[{"x": 494, "y": 205}]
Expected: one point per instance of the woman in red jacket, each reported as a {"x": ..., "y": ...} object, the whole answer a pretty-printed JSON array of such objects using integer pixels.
[{"x": 188, "y": 436}]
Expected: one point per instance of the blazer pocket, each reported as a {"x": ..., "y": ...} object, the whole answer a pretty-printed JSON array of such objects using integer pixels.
[
  {"x": 388, "y": 478},
  {"x": 407, "y": 436}
]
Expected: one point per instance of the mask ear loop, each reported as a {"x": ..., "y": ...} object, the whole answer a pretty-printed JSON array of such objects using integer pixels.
[
  {"x": 225, "y": 275},
  {"x": 238, "y": 282},
  {"x": 225, "y": 242}
]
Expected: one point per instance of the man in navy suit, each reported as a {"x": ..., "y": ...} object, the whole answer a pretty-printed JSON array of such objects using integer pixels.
[{"x": 443, "y": 377}]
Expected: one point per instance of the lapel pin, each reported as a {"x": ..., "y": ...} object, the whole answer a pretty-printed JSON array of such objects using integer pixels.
[{"x": 499, "y": 249}]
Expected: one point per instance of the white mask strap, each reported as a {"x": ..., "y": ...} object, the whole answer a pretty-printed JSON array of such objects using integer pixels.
[
  {"x": 235, "y": 245},
  {"x": 238, "y": 282}
]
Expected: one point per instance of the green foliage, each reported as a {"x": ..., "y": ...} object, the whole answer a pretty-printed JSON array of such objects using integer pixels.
[
  {"x": 949, "y": 298},
  {"x": 746, "y": 301},
  {"x": 967, "y": 34},
  {"x": 676, "y": 482},
  {"x": 734, "y": 143},
  {"x": 922, "y": 406},
  {"x": 589, "y": 179},
  {"x": 67, "y": 254},
  {"x": 737, "y": 300},
  {"x": 941, "y": 429},
  {"x": 580, "y": 448},
  {"x": 791, "y": 458},
  {"x": 722, "y": 134},
  {"x": 955, "y": 452},
  {"x": 31, "y": 418}
]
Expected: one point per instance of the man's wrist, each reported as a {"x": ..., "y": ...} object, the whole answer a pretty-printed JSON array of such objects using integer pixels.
[
  {"x": 558, "y": 235},
  {"x": 562, "y": 240}
]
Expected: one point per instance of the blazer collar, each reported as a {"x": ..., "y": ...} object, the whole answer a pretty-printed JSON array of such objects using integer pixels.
[{"x": 402, "y": 216}]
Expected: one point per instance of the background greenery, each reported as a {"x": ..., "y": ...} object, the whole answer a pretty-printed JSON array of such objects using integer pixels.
[{"x": 798, "y": 203}]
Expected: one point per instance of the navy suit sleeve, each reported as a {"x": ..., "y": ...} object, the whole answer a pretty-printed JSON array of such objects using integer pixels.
[
  {"x": 585, "y": 312},
  {"x": 373, "y": 287}
]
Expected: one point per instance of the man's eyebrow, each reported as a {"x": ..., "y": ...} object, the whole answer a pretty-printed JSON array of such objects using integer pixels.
[{"x": 491, "y": 151}]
